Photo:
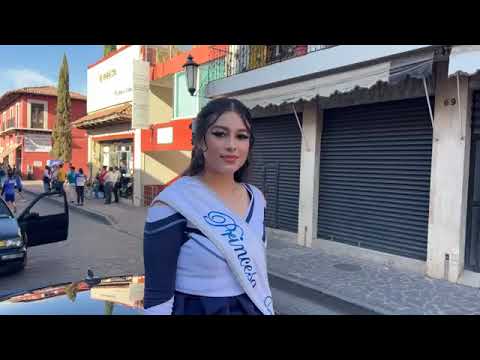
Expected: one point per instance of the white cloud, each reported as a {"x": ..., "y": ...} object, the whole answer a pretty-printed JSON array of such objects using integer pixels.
[{"x": 11, "y": 79}]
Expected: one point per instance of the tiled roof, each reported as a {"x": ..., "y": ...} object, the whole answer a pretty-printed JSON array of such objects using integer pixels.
[
  {"x": 10, "y": 96},
  {"x": 115, "y": 113}
]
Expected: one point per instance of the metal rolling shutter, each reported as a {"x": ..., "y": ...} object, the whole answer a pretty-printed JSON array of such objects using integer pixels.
[
  {"x": 275, "y": 168},
  {"x": 375, "y": 177},
  {"x": 472, "y": 242}
]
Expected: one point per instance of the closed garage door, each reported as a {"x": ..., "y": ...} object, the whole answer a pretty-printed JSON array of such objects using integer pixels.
[
  {"x": 375, "y": 177},
  {"x": 275, "y": 169}
]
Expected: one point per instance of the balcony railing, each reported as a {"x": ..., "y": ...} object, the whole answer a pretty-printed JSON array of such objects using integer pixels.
[
  {"x": 11, "y": 123},
  {"x": 237, "y": 59}
]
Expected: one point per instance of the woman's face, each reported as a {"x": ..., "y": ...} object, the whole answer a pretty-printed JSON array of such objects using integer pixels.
[{"x": 227, "y": 143}]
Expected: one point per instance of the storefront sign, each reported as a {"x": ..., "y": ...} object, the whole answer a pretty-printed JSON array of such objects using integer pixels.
[
  {"x": 110, "y": 82},
  {"x": 38, "y": 143},
  {"x": 165, "y": 135},
  {"x": 141, "y": 93}
]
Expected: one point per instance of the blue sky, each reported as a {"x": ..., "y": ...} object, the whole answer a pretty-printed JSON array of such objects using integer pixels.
[{"x": 37, "y": 65}]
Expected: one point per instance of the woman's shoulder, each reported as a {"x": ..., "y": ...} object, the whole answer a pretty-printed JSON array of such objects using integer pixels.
[
  {"x": 256, "y": 191},
  {"x": 159, "y": 211}
]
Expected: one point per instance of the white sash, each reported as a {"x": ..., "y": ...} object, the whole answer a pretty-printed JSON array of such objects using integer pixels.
[{"x": 242, "y": 248}]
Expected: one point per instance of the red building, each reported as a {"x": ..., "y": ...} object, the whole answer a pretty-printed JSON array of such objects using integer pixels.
[{"x": 27, "y": 119}]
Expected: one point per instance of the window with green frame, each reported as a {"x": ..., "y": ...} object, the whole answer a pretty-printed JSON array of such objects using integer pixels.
[
  {"x": 208, "y": 73},
  {"x": 185, "y": 105}
]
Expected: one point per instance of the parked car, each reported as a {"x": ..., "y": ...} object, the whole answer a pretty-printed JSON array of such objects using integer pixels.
[
  {"x": 120, "y": 295},
  {"x": 33, "y": 227}
]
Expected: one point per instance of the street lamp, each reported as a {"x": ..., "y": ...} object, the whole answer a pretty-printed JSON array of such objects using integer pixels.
[{"x": 191, "y": 68}]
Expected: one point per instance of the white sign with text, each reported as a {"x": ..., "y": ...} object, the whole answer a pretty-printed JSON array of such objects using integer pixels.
[
  {"x": 141, "y": 93},
  {"x": 110, "y": 82}
]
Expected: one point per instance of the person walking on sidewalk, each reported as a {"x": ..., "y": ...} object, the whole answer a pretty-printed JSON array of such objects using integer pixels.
[
  {"x": 61, "y": 176},
  {"x": 71, "y": 186},
  {"x": 46, "y": 179},
  {"x": 205, "y": 252},
  {"x": 9, "y": 190},
  {"x": 109, "y": 181},
  {"x": 116, "y": 182},
  {"x": 101, "y": 179},
  {"x": 80, "y": 180}
]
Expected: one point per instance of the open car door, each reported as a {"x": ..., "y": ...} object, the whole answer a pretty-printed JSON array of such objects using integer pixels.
[{"x": 45, "y": 220}]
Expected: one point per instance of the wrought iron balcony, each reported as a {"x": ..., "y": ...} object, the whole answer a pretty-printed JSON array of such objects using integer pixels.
[{"x": 237, "y": 59}]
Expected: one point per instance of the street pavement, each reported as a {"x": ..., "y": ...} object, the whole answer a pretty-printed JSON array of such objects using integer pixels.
[{"x": 91, "y": 244}]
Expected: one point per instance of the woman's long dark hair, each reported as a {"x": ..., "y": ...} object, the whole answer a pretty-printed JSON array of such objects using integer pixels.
[{"x": 204, "y": 120}]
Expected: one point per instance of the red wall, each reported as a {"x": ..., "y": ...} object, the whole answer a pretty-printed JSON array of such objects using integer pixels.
[
  {"x": 182, "y": 136},
  {"x": 79, "y": 137}
]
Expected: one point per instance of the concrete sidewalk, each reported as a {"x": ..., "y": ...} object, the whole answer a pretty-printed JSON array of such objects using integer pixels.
[
  {"x": 370, "y": 285},
  {"x": 122, "y": 216}
]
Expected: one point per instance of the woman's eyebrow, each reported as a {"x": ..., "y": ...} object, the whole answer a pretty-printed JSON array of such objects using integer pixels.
[{"x": 227, "y": 129}]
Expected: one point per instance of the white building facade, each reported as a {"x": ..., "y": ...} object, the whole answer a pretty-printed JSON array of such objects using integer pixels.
[{"x": 369, "y": 151}]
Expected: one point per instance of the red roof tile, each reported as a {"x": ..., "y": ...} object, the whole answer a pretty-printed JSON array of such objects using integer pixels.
[
  {"x": 10, "y": 96},
  {"x": 122, "y": 111}
]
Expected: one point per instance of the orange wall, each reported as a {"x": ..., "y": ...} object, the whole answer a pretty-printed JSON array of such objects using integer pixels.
[
  {"x": 201, "y": 55},
  {"x": 182, "y": 136}
]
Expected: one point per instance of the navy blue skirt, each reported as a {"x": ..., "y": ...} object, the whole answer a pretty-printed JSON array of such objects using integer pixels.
[{"x": 187, "y": 304}]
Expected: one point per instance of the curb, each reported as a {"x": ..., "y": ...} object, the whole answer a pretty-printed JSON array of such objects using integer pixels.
[
  {"x": 105, "y": 219},
  {"x": 321, "y": 291}
]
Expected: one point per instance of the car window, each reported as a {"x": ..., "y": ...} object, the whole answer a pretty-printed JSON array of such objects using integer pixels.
[
  {"x": 4, "y": 212},
  {"x": 48, "y": 206}
]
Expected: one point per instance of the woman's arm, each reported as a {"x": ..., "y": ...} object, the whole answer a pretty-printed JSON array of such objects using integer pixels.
[{"x": 163, "y": 235}]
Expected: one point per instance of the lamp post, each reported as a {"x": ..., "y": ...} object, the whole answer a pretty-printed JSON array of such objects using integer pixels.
[{"x": 191, "y": 68}]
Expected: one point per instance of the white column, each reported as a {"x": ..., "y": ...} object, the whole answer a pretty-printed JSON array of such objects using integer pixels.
[
  {"x": 138, "y": 169},
  {"x": 89, "y": 155},
  {"x": 309, "y": 174},
  {"x": 449, "y": 177}
]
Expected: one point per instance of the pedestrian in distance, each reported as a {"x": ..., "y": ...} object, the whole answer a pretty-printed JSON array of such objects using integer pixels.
[
  {"x": 101, "y": 179},
  {"x": 47, "y": 177},
  {"x": 205, "y": 252},
  {"x": 116, "y": 182},
  {"x": 19, "y": 184},
  {"x": 8, "y": 190},
  {"x": 80, "y": 180},
  {"x": 71, "y": 186},
  {"x": 61, "y": 177},
  {"x": 3, "y": 174},
  {"x": 108, "y": 185}
]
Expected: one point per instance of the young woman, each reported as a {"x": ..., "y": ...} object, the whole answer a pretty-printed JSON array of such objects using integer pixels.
[{"x": 204, "y": 240}]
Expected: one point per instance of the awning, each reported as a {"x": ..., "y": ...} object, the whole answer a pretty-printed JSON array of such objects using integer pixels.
[
  {"x": 117, "y": 114},
  {"x": 464, "y": 60},
  {"x": 393, "y": 71}
]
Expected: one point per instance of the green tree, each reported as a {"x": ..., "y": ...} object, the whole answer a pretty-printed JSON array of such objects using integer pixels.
[
  {"x": 62, "y": 133},
  {"x": 107, "y": 49},
  {"x": 108, "y": 308},
  {"x": 71, "y": 291}
]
